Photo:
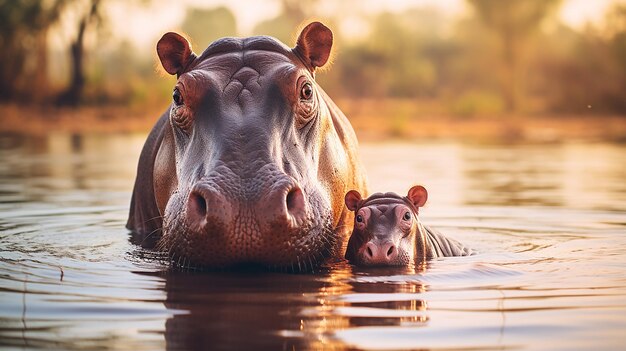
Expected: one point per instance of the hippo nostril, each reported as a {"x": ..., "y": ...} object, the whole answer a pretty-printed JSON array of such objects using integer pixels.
[
  {"x": 391, "y": 250},
  {"x": 295, "y": 201},
  {"x": 207, "y": 208},
  {"x": 369, "y": 252},
  {"x": 197, "y": 205},
  {"x": 283, "y": 205}
]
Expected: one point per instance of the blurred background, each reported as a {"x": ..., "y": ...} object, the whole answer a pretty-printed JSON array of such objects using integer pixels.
[
  {"x": 540, "y": 70},
  {"x": 511, "y": 113}
]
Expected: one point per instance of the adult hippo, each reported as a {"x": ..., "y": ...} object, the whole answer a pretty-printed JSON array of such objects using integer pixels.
[{"x": 250, "y": 162}]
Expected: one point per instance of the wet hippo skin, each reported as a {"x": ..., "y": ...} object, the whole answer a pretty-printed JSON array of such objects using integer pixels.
[
  {"x": 388, "y": 232},
  {"x": 250, "y": 162}
]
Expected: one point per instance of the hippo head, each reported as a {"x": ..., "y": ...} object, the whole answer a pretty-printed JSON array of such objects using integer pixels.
[
  {"x": 255, "y": 157},
  {"x": 386, "y": 231}
]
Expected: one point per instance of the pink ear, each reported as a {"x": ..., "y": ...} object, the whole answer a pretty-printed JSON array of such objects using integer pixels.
[
  {"x": 352, "y": 199},
  {"x": 418, "y": 195},
  {"x": 174, "y": 52},
  {"x": 314, "y": 44}
]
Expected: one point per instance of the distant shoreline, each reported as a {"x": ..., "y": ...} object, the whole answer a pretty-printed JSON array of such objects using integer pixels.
[{"x": 370, "y": 124}]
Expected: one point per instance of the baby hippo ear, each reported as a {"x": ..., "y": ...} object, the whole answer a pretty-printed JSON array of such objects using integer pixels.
[
  {"x": 418, "y": 195},
  {"x": 174, "y": 52},
  {"x": 314, "y": 44},
  {"x": 352, "y": 199}
]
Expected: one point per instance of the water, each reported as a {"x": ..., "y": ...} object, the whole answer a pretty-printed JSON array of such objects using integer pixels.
[{"x": 549, "y": 223}]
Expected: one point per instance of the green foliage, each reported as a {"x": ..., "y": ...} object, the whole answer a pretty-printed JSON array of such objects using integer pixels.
[
  {"x": 477, "y": 103},
  {"x": 282, "y": 27},
  {"x": 126, "y": 77},
  {"x": 399, "y": 57},
  {"x": 502, "y": 57},
  {"x": 400, "y": 121},
  {"x": 514, "y": 17},
  {"x": 583, "y": 72},
  {"x": 513, "y": 22},
  {"x": 206, "y": 25}
]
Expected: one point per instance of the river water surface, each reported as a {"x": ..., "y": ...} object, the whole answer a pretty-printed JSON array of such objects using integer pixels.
[{"x": 548, "y": 221}]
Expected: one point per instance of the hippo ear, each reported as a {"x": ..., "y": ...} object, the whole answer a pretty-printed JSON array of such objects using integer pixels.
[
  {"x": 174, "y": 52},
  {"x": 418, "y": 195},
  {"x": 314, "y": 44},
  {"x": 352, "y": 199}
]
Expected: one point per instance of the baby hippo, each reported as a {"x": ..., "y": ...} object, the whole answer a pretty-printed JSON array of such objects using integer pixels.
[{"x": 388, "y": 232}]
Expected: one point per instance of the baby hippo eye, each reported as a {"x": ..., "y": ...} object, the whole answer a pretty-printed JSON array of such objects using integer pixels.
[
  {"x": 359, "y": 218},
  {"x": 407, "y": 216}
]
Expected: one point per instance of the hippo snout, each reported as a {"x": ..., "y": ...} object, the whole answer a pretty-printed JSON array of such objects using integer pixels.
[
  {"x": 283, "y": 204},
  {"x": 268, "y": 218},
  {"x": 376, "y": 252}
]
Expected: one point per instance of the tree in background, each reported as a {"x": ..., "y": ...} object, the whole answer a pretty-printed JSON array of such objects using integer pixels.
[
  {"x": 206, "y": 25},
  {"x": 283, "y": 26},
  {"x": 617, "y": 22},
  {"x": 395, "y": 58},
  {"x": 585, "y": 72},
  {"x": 23, "y": 30},
  {"x": 503, "y": 57},
  {"x": 513, "y": 22},
  {"x": 73, "y": 94}
]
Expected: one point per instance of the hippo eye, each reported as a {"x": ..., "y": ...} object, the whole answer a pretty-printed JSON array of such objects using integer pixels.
[
  {"x": 407, "y": 216},
  {"x": 177, "y": 96},
  {"x": 359, "y": 218},
  {"x": 307, "y": 91}
]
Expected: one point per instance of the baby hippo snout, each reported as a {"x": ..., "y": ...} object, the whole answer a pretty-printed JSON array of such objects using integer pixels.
[{"x": 384, "y": 253}]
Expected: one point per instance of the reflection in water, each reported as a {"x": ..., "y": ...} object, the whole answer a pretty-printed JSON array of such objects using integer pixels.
[
  {"x": 242, "y": 311},
  {"x": 547, "y": 220},
  {"x": 514, "y": 176},
  {"x": 258, "y": 310},
  {"x": 410, "y": 312},
  {"x": 62, "y": 169}
]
